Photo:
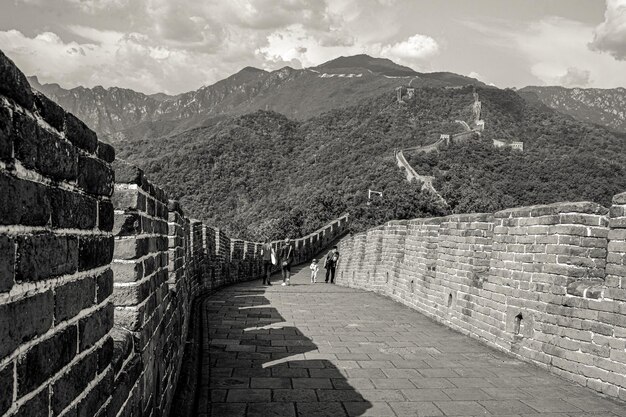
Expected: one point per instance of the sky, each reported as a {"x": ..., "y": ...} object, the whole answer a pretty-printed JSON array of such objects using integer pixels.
[{"x": 173, "y": 46}]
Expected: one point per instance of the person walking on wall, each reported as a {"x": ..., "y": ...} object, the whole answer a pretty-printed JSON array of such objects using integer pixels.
[
  {"x": 331, "y": 263},
  {"x": 314, "y": 267},
  {"x": 269, "y": 259},
  {"x": 286, "y": 259}
]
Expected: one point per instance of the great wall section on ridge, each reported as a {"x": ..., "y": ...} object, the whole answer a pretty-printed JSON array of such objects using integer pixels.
[
  {"x": 473, "y": 131},
  {"x": 98, "y": 269}
]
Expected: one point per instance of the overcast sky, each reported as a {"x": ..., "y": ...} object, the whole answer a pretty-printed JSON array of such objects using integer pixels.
[{"x": 174, "y": 46}]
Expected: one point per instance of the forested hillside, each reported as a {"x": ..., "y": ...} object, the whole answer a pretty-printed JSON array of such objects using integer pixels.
[
  {"x": 563, "y": 159},
  {"x": 264, "y": 174}
]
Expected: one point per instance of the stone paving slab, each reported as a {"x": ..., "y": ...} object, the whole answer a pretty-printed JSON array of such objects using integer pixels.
[{"x": 326, "y": 350}]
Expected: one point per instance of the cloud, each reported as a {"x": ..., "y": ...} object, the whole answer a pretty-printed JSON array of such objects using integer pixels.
[
  {"x": 556, "y": 52},
  {"x": 411, "y": 50},
  {"x": 126, "y": 60},
  {"x": 610, "y": 35},
  {"x": 575, "y": 77}
]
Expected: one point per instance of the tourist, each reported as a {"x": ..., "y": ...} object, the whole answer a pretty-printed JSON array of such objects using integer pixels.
[
  {"x": 269, "y": 259},
  {"x": 331, "y": 264},
  {"x": 314, "y": 267},
  {"x": 286, "y": 259}
]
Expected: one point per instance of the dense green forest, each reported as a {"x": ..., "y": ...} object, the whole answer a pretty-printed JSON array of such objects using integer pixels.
[
  {"x": 563, "y": 160},
  {"x": 263, "y": 174}
]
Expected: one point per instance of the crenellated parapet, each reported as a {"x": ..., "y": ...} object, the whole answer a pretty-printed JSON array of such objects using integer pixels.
[{"x": 98, "y": 268}]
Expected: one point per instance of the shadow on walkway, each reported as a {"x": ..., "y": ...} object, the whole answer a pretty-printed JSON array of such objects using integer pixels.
[{"x": 257, "y": 364}]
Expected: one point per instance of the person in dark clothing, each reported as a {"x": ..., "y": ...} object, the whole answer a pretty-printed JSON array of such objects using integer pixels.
[
  {"x": 287, "y": 255},
  {"x": 269, "y": 259},
  {"x": 331, "y": 264}
]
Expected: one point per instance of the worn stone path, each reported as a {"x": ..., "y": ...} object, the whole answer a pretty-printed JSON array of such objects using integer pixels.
[{"x": 325, "y": 350}]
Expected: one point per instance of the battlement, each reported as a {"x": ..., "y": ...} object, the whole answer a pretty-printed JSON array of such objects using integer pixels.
[
  {"x": 98, "y": 268},
  {"x": 544, "y": 283}
]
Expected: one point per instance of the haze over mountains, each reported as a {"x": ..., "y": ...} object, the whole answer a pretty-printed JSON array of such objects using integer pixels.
[{"x": 298, "y": 94}]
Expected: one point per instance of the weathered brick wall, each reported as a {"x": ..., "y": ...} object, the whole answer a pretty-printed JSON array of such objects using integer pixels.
[
  {"x": 545, "y": 283},
  {"x": 97, "y": 276},
  {"x": 55, "y": 249}
]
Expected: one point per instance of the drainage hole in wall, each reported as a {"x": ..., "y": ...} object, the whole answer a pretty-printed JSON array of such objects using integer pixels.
[
  {"x": 519, "y": 324},
  {"x": 450, "y": 300}
]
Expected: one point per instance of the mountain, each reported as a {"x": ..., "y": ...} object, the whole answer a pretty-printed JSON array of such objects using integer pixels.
[
  {"x": 264, "y": 174},
  {"x": 605, "y": 107},
  {"x": 296, "y": 93},
  {"x": 381, "y": 66}
]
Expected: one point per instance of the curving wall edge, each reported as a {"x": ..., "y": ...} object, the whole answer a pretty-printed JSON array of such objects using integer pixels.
[
  {"x": 544, "y": 283},
  {"x": 98, "y": 269}
]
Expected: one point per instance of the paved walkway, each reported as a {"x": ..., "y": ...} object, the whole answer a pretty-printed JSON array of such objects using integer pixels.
[{"x": 325, "y": 350}]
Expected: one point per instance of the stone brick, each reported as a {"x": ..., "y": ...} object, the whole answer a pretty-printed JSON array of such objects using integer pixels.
[
  {"x": 131, "y": 248},
  {"x": 93, "y": 328},
  {"x": 35, "y": 407},
  {"x": 6, "y": 388},
  {"x": 91, "y": 404},
  {"x": 71, "y": 210},
  {"x": 50, "y": 111},
  {"x": 104, "y": 284},
  {"x": 22, "y": 320},
  {"x": 6, "y": 131},
  {"x": 106, "y": 152},
  {"x": 94, "y": 251},
  {"x": 45, "y": 359},
  {"x": 127, "y": 224},
  {"x": 105, "y": 216},
  {"x": 105, "y": 354},
  {"x": 44, "y": 152},
  {"x": 7, "y": 263},
  {"x": 23, "y": 202},
  {"x": 94, "y": 176},
  {"x": 14, "y": 84},
  {"x": 71, "y": 298},
  {"x": 127, "y": 272},
  {"x": 73, "y": 382},
  {"x": 79, "y": 134},
  {"x": 45, "y": 255},
  {"x": 126, "y": 173}
]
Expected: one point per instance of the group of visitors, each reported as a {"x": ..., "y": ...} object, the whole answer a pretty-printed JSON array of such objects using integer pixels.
[{"x": 285, "y": 258}]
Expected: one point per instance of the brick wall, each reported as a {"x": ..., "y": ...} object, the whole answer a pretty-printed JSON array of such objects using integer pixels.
[
  {"x": 545, "y": 283},
  {"x": 97, "y": 276},
  {"x": 55, "y": 249}
]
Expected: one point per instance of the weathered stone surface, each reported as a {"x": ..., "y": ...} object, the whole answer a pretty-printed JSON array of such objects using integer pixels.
[
  {"x": 72, "y": 211},
  {"x": 93, "y": 327},
  {"x": 24, "y": 202},
  {"x": 6, "y": 392},
  {"x": 6, "y": 131},
  {"x": 79, "y": 134},
  {"x": 14, "y": 84},
  {"x": 7, "y": 263},
  {"x": 94, "y": 251},
  {"x": 45, "y": 359},
  {"x": 74, "y": 382},
  {"x": 95, "y": 176},
  {"x": 71, "y": 298},
  {"x": 45, "y": 255}
]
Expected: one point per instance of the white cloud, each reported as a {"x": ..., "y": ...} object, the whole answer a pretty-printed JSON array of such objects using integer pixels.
[
  {"x": 124, "y": 60},
  {"x": 412, "y": 50},
  {"x": 610, "y": 35},
  {"x": 556, "y": 52}
]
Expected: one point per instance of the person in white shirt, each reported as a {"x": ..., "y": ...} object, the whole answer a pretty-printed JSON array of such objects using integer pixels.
[{"x": 314, "y": 267}]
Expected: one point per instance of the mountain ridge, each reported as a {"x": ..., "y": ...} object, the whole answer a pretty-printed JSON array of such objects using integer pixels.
[{"x": 297, "y": 93}]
